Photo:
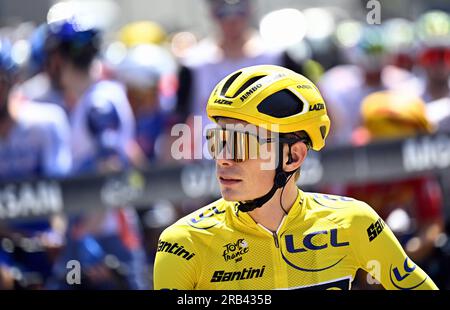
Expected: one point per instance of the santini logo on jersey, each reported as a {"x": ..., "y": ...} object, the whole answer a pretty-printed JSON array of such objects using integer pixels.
[
  {"x": 174, "y": 248},
  {"x": 375, "y": 229},
  {"x": 249, "y": 92},
  {"x": 245, "y": 274}
]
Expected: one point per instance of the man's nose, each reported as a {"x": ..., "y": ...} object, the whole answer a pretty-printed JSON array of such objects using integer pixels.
[{"x": 225, "y": 162}]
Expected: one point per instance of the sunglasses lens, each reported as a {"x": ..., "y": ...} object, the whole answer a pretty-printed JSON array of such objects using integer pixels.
[
  {"x": 219, "y": 143},
  {"x": 234, "y": 145}
]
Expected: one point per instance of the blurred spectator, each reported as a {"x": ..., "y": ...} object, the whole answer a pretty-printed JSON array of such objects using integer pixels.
[
  {"x": 107, "y": 243},
  {"x": 345, "y": 86},
  {"x": 148, "y": 36},
  {"x": 412, "y": 208},
  {"x": 433, "y": 29},
  {"x": 142, "y": 32},
  {"x": 142, "y": 71},
  {"x": 71, "y": 50},
  {"x": 400, "y": 39},
  {"x": 400, "y": 72},
  {"x": 45, "y": 69},
  {"x": 236, "y": 45},
  {"x": 34, "y": 142},
  {"x": 102, "y": 136},
  {"x": 321, "y": 24}
]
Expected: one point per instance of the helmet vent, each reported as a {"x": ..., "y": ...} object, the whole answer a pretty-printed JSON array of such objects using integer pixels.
[
  {"x": 228, "y": 83},
  {"x": 247, "y": 84},
  {"x": 281, "y": 104},
  {"x": 323, "y": 131}
]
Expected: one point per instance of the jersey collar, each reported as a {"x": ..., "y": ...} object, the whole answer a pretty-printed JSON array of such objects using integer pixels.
[{"x": 294, "y": 211}]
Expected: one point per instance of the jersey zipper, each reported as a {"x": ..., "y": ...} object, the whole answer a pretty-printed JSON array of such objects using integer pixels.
[
  {"x": 279, "y": 267},
  {"x": 275, "y": 238}
]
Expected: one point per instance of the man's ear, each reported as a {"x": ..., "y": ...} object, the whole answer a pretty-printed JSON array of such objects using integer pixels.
[{"x": 298, "y": 155}]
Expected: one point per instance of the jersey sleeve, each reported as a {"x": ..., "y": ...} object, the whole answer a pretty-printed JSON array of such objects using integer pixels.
[
  {"x": 48, "y": 123},
  {"x": 57, "y": 158},
  {"x": 176, "y": 261},
  {"x": 381, "y": 255}
]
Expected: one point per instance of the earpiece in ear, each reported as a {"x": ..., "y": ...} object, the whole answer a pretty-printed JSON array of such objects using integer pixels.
[{"x": 290, "y": 160}]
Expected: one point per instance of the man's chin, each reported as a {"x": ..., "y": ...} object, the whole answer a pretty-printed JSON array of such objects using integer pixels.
[{"x": 230, "y": 195}]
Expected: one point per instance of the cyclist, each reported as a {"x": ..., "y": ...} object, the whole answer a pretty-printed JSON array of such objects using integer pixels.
[
  {"x": 102, "y": 132},
  {"x": 34, "y": 143},
  {"x": 265, "y": 233},
  {"x": 433, "y": 32}
]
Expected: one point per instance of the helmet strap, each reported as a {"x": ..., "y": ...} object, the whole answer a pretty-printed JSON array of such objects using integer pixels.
[{"x": 280, "y": 180}]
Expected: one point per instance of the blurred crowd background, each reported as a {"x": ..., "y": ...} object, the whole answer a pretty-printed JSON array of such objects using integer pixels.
[{"x": 91, "y": 87}]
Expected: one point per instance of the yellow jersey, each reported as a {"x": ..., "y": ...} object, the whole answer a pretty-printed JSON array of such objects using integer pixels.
[{"x": 320, "y": 244}]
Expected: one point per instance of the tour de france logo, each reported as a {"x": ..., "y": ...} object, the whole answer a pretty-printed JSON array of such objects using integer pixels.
[{"x": 235, "y": 250}]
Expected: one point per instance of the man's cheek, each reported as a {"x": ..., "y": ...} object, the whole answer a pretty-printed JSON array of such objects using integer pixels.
[{"x": 268, "y": 163}]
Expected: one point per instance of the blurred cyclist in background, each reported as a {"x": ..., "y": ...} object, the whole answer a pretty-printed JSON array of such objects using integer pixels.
[
  {"x": 236, "y": 45},
  {"x": 7, "y": 68},
  {"x": 371, "y": 54},
  {"x": 34, "y": 143},
  {"x": 44, "y": 84},
  {"x": 142, "y": 71},
  {"x": 413, "y": 208},
  {"x": 73, "y": 47},
  {"x": 142, "y": 32},
  {"x": 107, "y": 243},
  {"x": 400, "y": 39},
  {"x": 102, "y": 135},
  {"x": 135, "y": 36},
  {"x": 400, "y": 73},
  {"x": 433, "y": 31},
  {"x": 345, "y": 86}
]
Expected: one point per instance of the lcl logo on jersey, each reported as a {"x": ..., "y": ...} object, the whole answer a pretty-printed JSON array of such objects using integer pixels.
[
  {"x": 310, "y": 245},
  {"x": 401, "y": 274},
  {"x": 308, "y": 241},
  {"x": 235, "y": 250},
  {"x": 206, "y": 219}
]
